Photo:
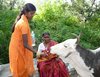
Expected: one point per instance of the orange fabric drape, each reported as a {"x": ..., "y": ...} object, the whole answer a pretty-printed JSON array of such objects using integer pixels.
[{"x": 21, "y": 59}]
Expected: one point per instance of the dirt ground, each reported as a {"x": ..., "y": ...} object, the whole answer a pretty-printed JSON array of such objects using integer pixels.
[{"x": 5, "y": 71}]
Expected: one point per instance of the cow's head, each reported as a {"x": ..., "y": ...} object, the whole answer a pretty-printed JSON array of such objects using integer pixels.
[{"x": 64, "y": 48}]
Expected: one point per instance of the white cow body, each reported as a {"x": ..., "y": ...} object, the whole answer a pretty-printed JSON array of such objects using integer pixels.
[{"x": 66, "y": 47}]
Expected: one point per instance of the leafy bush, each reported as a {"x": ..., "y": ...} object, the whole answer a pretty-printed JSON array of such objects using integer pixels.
[{"x": 6, "y": 20}]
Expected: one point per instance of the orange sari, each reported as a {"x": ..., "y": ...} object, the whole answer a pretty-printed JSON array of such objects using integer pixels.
[
  {"x": 21, "y": 59},
  {"x": 50, "y": 65}
]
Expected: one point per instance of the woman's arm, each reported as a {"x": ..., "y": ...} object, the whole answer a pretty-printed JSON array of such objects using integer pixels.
[
  {"x": 40, "y": 54},
  {"x": 25, "y": 42}
]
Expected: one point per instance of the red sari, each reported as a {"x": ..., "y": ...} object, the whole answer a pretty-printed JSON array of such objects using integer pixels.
[{"x": 50, "y": 65}]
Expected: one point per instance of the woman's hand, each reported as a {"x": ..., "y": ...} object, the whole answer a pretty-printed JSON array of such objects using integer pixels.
[
  {"x": 57, "y": 58},
  {"x": 44, "y": 54},
  {"x": 38, "y": 54}
]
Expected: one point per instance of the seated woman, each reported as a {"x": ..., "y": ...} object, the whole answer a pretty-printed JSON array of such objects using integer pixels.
[{"x": 49, "y": 65}]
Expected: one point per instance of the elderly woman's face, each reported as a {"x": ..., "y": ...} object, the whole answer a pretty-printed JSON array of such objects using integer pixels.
[{"x": 46, "y": 38}]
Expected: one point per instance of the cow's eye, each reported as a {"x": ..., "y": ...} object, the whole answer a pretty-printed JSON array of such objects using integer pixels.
[{"x": 65, "y": 46}]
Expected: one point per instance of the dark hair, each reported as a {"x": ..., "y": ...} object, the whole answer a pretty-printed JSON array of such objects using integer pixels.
[
  {"x": 27, "y": 8},
  {"x": 46, "y": 33}
]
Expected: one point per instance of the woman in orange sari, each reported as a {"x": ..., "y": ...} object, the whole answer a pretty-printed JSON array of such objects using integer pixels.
[
  {"x": 20, "y": 48},
  {"x": 49, "y": 65}
]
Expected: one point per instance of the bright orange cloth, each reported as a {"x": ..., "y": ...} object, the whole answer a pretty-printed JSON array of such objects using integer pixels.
[{"x": 21, "y": 59}]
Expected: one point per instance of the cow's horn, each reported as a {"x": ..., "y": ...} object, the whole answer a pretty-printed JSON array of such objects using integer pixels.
[{"x": 77, "y": 36}]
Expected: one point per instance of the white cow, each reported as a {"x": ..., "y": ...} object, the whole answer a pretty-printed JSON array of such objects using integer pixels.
[{"x": 68, "y": 53}]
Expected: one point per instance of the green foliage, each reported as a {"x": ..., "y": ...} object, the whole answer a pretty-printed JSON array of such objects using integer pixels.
[
  {"x": 6, "y": 20},
  {"x": 53, "y": 20},
  {"x": 11, "y": 4}
]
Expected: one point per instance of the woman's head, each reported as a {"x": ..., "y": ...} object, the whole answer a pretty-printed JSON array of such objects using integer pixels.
[
  {"x": 46, "y": 37},
  {"x": 28, "y": 10}
]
